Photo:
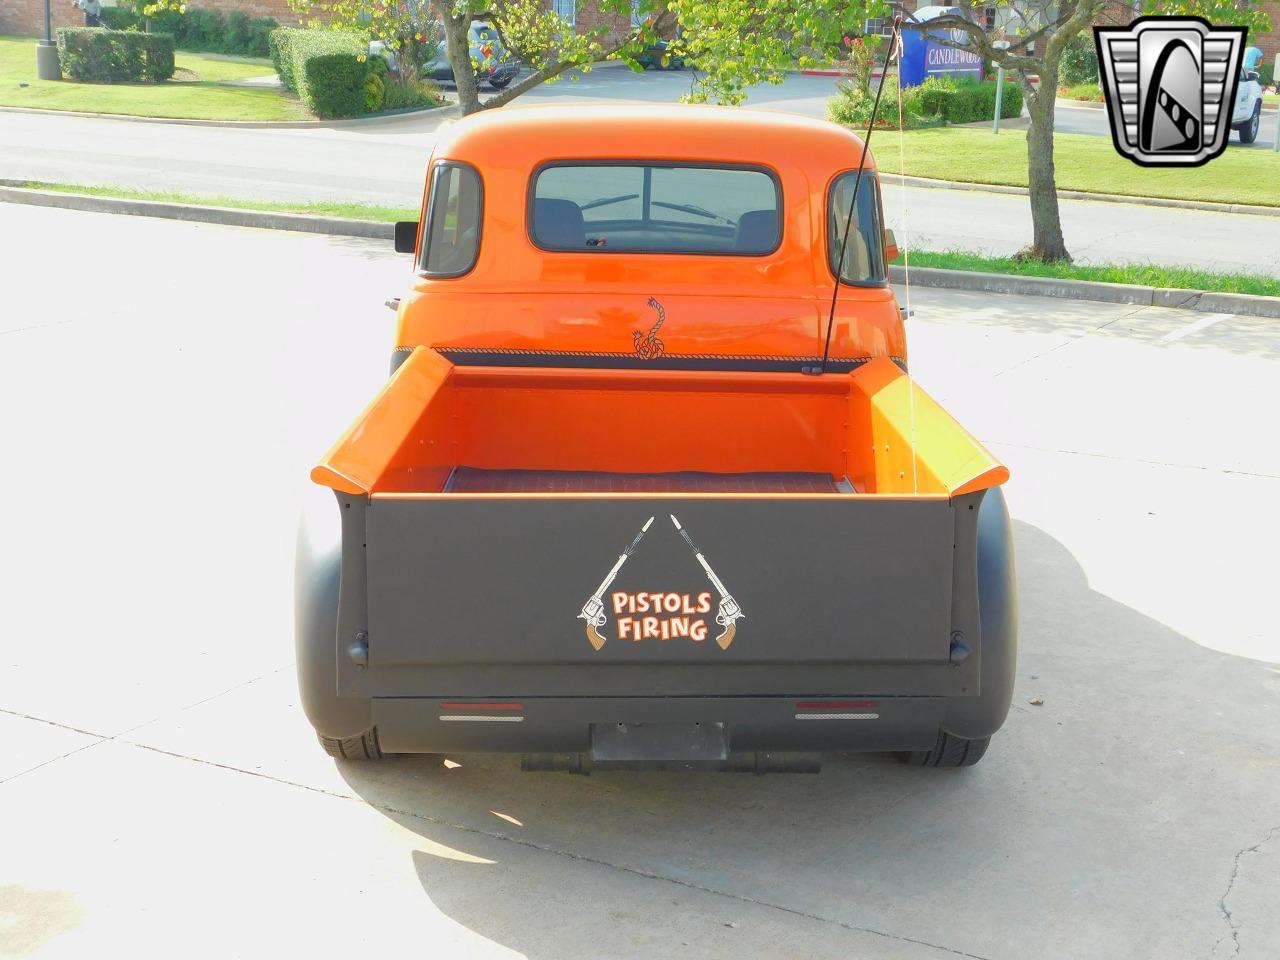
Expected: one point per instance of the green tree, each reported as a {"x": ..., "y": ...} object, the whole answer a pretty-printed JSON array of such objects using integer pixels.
[
  {"x": 732, "y": 43},
  {"x": 404, "y": 27},
  {"x": 1039, "y": 33},
  {"x": 740, "y": 43}
]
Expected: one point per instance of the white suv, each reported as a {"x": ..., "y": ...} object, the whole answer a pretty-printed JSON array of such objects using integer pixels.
[{"x": 1248, "y": 107}]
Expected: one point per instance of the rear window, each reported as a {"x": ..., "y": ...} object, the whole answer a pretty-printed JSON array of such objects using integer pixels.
[
  {"x": 864, "y": 253},
  {"x": 656, "y": 208},
  {"x": 452, "y": 237}
]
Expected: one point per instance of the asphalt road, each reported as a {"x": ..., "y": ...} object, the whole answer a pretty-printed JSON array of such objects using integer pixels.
[
  {"x": 383, "y": 162},
  {"x": 163, "y": 796},
  {"x": 1093, "y": 120}
]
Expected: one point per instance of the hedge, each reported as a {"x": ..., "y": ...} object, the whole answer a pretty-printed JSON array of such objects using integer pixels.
[
  {"x": 94, "y": 55},
  {"x": 967, "y": 102},
  {"x": 939, "y": 100},
  {"x": 202, "y": 30},
  {"x": 331, "y": 71}
]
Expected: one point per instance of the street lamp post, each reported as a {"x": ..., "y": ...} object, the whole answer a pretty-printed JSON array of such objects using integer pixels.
[
  {"x": 1276, "y": 144},
  {"x": 995, "y": 123},
  {"x": 46, "y": 52}
]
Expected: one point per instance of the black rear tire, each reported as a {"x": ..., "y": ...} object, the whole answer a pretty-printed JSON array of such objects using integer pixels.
[
  {"x": 362, "y": 747},
  {"x": 949, "y": 751},
  {"x": 1249, "y": 129}
]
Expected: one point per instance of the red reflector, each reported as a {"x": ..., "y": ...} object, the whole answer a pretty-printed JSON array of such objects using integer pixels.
[
  {"x": 835, "y": 704},
  {"x": 481, "y": 706}
]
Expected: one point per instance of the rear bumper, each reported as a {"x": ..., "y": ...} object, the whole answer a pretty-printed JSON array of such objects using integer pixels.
[{"x": 550, "y": 725}]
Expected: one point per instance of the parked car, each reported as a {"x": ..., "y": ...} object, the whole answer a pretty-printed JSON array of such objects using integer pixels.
[
  {"x": 1247, "y": 115},
  {"x": 655, "y": 57},
  {"x": 639, "y": 493},
  {"x": 495, "y": 65}
]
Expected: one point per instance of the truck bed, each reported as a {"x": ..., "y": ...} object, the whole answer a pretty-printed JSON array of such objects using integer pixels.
[{"x": 472, "y": 480}]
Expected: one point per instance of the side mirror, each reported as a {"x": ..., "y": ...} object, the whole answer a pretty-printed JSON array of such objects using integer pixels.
[
  {"x": 406, "y": 236},
  {"x": 890, "y": 246}
]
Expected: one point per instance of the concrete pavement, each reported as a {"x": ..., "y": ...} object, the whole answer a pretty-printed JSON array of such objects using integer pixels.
[{"x": 162, "y": 794}]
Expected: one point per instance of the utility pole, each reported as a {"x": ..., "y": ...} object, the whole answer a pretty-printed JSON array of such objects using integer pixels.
[
  {"x": 1276, "y": 145},
  {"x": 995, "y": 123},
  {"x": 47, "y": 67}
]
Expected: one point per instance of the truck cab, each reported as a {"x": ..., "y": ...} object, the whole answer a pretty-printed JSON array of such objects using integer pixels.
[{"x": 650, "y": 485}]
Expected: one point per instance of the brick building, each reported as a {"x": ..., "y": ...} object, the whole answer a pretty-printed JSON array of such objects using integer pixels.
[
  {"x": 26, "y": 17},
  {"x": 1269, "y": 42}
]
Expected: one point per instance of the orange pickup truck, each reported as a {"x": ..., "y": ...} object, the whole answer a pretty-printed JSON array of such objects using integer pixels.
[{"x": 649, "y": 485}]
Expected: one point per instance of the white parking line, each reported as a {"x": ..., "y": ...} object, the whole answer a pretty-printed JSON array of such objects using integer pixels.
[{"x": 1195, "y": 327}]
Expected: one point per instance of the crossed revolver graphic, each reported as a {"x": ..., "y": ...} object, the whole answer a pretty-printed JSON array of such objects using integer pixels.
[{"x": 727, "y": 615}]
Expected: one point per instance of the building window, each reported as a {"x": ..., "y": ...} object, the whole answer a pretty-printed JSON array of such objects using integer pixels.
[
  {"x": 883, "y": 26},
  {"x": 568, "y": 10},
  {"x": 989, "y": 18}
]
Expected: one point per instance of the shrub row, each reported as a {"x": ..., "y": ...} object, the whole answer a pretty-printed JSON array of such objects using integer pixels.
[
  {"x": 967, "y": 102},
  {"x": 331, "y": 71},
  {"x": 202, "y": 30},
  {"x": 94, "y": 55},
  {"x": 937, "y": 101}
]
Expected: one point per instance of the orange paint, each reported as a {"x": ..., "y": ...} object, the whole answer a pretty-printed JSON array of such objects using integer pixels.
[
  {"x": 872, "y": 426},
  {"x": 520, "y": 297},
  {"x": 433, "y": 416}
]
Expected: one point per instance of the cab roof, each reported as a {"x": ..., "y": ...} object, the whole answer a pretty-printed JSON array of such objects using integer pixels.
[{"x": 527, "y": 136}]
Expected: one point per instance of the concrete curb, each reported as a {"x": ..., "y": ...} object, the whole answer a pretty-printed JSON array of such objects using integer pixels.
[
  {"x": 226, "y": 216},
  {"x": 1237, "y": 208},
  {"x": 1081, "y": 104},
  {"x": 1202, "y": 300},
  {"x": 921, "y": 276},
  {"x": 239, "y": 124}
]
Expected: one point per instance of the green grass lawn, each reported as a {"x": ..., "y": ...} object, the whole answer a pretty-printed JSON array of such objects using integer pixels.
[
  {"x": 346, "y": 211},
  {"x": 1082, "y": 163},
  {"x": 1141, "y": 274},
  {"x": 199, "y": 90}
]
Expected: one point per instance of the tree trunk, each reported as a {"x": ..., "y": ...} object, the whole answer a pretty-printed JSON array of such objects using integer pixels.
[
  {"x": 458, "y": 46},
  {"x": 1046, "y": 225}
]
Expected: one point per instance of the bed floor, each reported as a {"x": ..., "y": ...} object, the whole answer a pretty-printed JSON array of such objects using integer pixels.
[{"x": 471, "y": 480}]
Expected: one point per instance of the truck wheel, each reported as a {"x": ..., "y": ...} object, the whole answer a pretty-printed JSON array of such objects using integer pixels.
[
  {"x": 949, "y": 751},
  {"x": 1249, "y": 129},
  {"x": 363, "y": 747},
  {"x": 344, "y": 725}
]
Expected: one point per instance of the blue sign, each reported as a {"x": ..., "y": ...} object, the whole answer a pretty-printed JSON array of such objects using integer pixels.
[{"x": 923, "y": 56}]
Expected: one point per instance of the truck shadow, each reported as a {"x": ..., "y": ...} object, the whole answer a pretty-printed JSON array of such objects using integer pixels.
[{"x": 1066, "y": 823}]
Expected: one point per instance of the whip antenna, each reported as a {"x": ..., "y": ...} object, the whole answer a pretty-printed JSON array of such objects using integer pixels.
[{"x": 895, "y": 49}]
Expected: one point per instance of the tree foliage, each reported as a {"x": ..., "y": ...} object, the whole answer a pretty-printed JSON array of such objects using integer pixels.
[
  {"x": 1039, "y": 33},
  {"x": 404, "y": 27},
  {"x": 739, "y": 43}
]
